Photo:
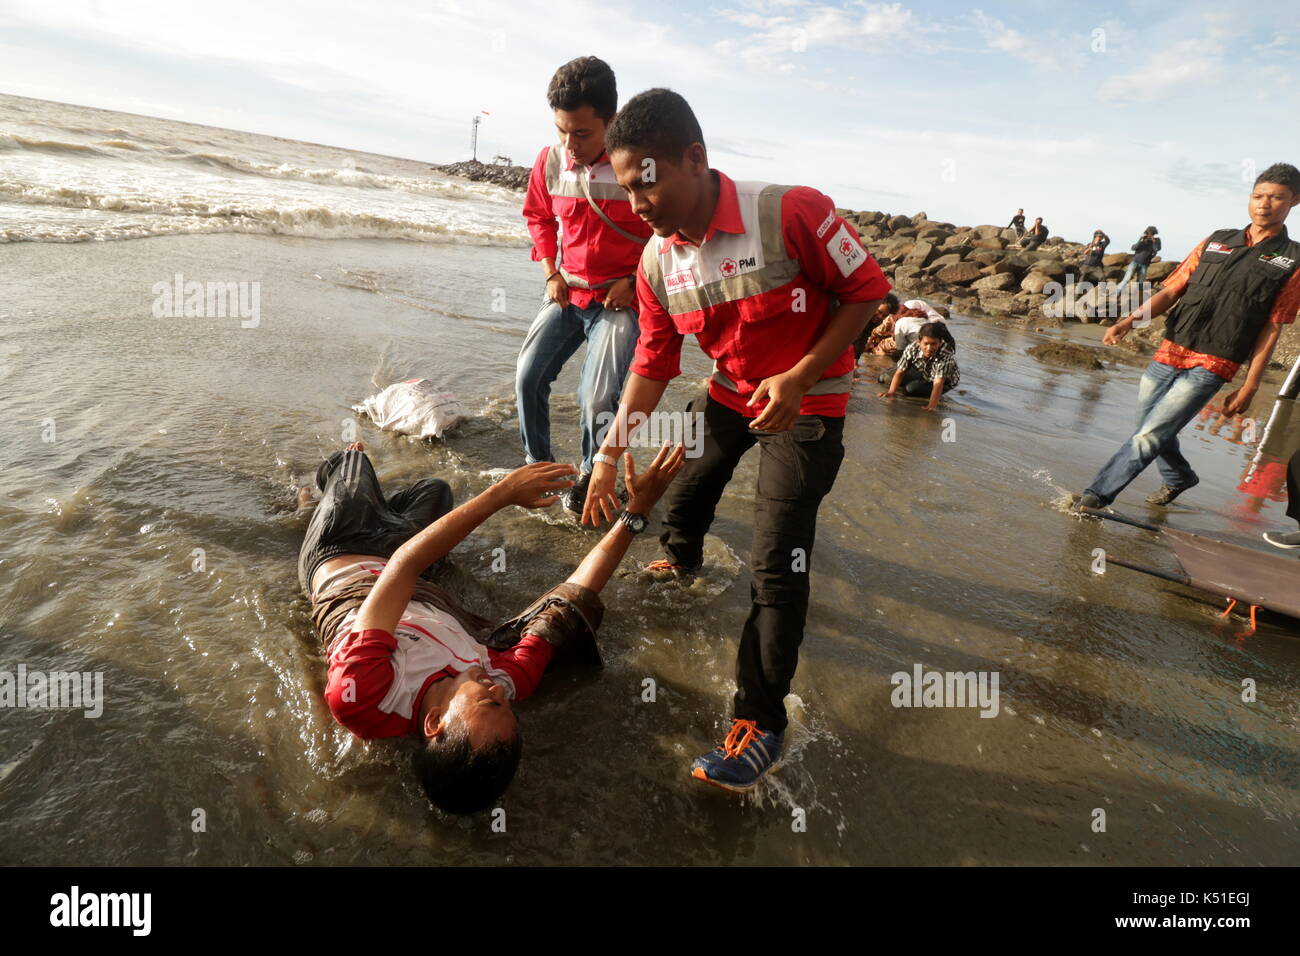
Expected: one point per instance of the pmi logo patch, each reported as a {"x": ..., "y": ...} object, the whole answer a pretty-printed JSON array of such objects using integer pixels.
[
  {"x": 1218, "y": 247},
  {"x": 729, "y": 267}
]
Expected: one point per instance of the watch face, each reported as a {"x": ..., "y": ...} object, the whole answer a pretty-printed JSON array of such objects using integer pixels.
[{"x": 636, "y": 523}]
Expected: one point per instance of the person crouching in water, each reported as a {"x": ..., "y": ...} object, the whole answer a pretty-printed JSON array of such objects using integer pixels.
[
  {"x": 927, "y": 367},
  {"x": 405, "y": 658}
]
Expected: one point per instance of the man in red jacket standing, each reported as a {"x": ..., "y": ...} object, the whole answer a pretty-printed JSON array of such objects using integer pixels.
[
  {"x": 591, "y": 293},
  {"x": 775, "y": 286}
]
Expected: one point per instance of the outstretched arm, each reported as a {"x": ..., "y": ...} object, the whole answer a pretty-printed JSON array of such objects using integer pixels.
[
  {"x": 644, "y": 490},
  {"x": 532, "y": 486}
]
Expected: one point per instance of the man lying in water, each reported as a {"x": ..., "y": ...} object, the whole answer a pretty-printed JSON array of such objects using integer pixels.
[{"x": 404, "y": 657}]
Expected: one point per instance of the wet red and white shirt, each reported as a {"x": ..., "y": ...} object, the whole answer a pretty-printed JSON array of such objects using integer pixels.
[{"x": 377, "y": 679}]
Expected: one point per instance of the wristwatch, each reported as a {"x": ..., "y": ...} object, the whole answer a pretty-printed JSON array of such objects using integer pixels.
[
  {"x": 633, "y": 522},
  {"x": 605, "y": 459}
]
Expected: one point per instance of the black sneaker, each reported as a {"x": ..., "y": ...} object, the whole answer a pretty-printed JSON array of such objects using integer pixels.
[
  {"x": 1165, "y": 494},
  {"x": 1085, "y": 501},
  {"x": 574, "y": 498}
]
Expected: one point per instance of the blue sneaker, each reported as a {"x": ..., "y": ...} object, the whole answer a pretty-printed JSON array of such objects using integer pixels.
[{"x": 741, "y": 762}]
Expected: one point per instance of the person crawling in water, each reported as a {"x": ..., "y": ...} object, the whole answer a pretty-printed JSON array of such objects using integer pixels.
[
  {"x": 405, "y": 659},
  {"x": 927, "y": 368}
]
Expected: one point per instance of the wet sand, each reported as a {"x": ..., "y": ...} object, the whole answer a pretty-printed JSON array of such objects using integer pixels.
[{"x": 1117, "y": 692}]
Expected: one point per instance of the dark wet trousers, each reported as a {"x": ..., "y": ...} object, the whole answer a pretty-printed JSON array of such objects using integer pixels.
[
  {"x": 354, "y": 517},
  {"x": 796, "y": 469},
  {"x": 914, "y": 383}
]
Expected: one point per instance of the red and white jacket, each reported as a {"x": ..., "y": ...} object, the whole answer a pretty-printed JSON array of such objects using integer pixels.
[
  {"x": 591, "y": 250},
  {"x": 377, "y": 679},
  {"x": 757, "y": 293}
]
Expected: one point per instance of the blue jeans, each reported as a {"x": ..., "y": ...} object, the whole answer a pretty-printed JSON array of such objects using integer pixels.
[
  {"x": 1138, "y": 269},
  {"x": 555, "y": 335},
  {"x": 1168, "y": 398}
]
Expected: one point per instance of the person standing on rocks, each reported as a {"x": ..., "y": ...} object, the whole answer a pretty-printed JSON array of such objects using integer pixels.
[
  {"x": 1230, "y": 299},
  {"x": 1093, "y": 255},
  {"x": 775, "y": 285},
  {"x": 591, "y": 294},
  {"x": 1018, "y": 223},
  {"x": 1144, "y": 251},
  {"x": 1035, "y": 237}
]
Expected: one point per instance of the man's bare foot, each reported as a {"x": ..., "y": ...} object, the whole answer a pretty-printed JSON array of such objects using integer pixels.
[{"x": 357, "y": 446}]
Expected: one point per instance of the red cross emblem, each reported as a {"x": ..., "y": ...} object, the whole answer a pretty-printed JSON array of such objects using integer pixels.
[
  {"x": 728, "y": 267},
  {"x": 846, "y": 246}
]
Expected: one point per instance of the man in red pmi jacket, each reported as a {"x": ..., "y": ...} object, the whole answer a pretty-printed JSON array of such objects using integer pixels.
[
  {"x": 775, "y": 286},
  {"x": 590, "y": 294}
]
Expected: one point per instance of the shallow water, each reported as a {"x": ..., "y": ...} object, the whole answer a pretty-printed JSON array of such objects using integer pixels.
[
  {"x": 1118, "y": 692},
  {"x": 147, "y": 502}
]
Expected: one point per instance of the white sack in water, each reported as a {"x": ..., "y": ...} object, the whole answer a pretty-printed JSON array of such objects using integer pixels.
[{"x": 415, "y": 407}]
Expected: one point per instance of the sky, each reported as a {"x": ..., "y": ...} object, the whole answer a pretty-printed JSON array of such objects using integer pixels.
[{"x": 1113, "y": 115}]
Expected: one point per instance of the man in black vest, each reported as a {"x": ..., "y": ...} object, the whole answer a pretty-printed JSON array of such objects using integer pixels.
[{"x": 1233, "y": 295}]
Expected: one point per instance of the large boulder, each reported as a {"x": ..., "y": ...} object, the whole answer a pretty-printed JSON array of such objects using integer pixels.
[
  {"x": 1159, "y": 271},
  {"x": 871, "y": 233},
  {"x": 999, "y": 303},
  {"x": 1036, "y": 282},
  {"x": 896, "y": 248},
  {"x": 990, "y": 243},
  {"x": 959, "y": 238},
  {"x": 1009, "y": 266},
  {"x": 1066, "y": 354},
  {"x": 898, "y": 222},
  {"x": 906, "y": 271},
  {"x": 933, "y": 233},
  {"x": 986, "y": 257},
  {"x": 947, "y": 259},
  {"x": 922, "y": 254},
  {"x": 1116, "y": 259},
  {"x": 988, "y": 232},
  {"x": 908, "y": 231},
  {"x": 1053, "y": 268},
  {"x": 995, "y": 283},
  {"x": 1009, "y": 235},
  {"x": 919, "y": 218},
  {"x": 960, "y": 273}
]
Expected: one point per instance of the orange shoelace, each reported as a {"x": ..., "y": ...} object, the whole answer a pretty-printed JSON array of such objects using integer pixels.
[
  {"x": 663, "y": 564},
  {"x": 743, "y": 733}
]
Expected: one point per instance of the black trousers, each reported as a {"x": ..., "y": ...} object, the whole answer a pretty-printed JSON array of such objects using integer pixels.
[
  {"x": 797, "y": 468},
  {"x": 354, "y": 516}
]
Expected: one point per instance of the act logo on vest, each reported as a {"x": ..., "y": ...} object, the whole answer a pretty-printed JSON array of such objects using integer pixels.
[{"x": 1282, "y": 262}]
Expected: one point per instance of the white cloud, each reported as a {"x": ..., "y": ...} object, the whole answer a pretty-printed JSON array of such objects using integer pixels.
[
  {"x": 778, "y": 41},
  {"x": 1044, "y": 52},
  {"x": 1182, "y": 64}
]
